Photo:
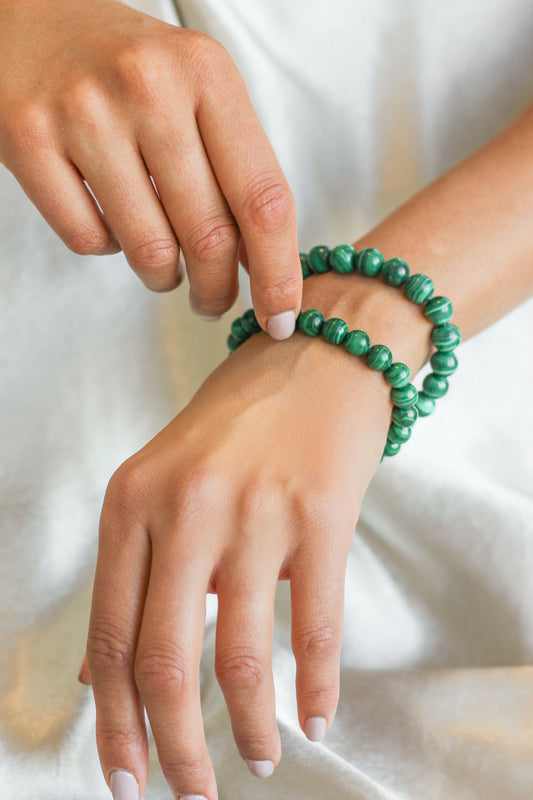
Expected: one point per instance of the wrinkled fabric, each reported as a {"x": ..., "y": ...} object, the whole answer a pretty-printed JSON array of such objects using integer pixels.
[{"x": 364, "y": 104}]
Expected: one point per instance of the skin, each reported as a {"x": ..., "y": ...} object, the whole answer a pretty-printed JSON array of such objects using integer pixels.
[
  {"x": 172, "y": 103},
  {"x": 278, "y": 417}
]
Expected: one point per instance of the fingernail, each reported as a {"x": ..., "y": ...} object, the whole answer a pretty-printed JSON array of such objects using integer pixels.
[
  {"x": 210, "y": 319},
  {"x": 181, "y": 267},
  {"x": 124, "y": 785},
  {"x": 261, "y": 769},
  {"x": 192, "y": 797},
  {"x": 315, "y": 728},
  {"x": 281, "y": 326}
]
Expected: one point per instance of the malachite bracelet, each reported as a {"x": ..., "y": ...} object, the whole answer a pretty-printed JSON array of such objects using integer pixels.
[{"x": 408, "y": 402}]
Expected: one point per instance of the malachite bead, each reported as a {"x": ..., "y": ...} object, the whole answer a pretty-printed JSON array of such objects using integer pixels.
[
  {"x": 404, "y": 417},
  {"x": 306, "y": 269},
  {"x": 378, "y": 357},
  {"x": 395, "y": 271},
  {"x": 405, "y": 397},
  {"x": 334, "y": 330},
  {"x": 419, "y": 288},
  {"x": 398, "y": 375},
  {"x": 310, "y": 322},
  {"x": 357, "y": 343},
  {"x": 435, "y": 385},
  {"x": 249, "y": 322},
  {"x": 238, "y": 330},
  {"x": 341, "y": 258},
  {"x": 369, "y": 262},
  {"x": 233, "y": 342},
  {"x": 446, "y": 337},
  {"x": 399, "y": 434},
  {"x": 425, "y": 405},
  {"x": 443, "y": 363},
  {"x": 391, "y": 448},
  {"x": 318, "y": 258},
  {"x": 438, "y": 310}
]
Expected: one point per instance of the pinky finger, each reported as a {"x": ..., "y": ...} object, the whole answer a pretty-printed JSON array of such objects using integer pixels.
[{"x": 56, "y": 188}]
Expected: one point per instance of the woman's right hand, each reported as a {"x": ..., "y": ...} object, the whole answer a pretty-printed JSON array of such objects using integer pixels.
[{"x": 102, "y": 93}]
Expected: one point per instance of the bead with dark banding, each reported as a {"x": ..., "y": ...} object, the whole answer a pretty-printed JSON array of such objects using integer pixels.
[
  {"x": 318, "y": 258},
  {"x": 304, "y": 262},
  {"x": 395, "y": 271},
  {"x": 357, "y": 343},
  {"x": 391, "y": 448},
  {"x": 238, "y": 330},
  {"x": 404, "y": 417},
  {"x": 425, "y": 405},
  {"x": 369, "y": 262},
  {"x": 334, "y": 330},
  {"x": 418, "y": 288},
  {"x": 405, "y": 397},
  {"x": 378, "y": 357},
  {"x": 399, "y": 434},
  {"x": 249, "y": 321},
  {"x": 310, "y": 322},
  {"x": 341, "y": 258},
  {"x": 438, "y": 310},
  {"x": 435, "y": 385},
  {"x": 443, "y": 363},
  {"x": 446, "y": 337},
  {"x": 398, "y": 375}
]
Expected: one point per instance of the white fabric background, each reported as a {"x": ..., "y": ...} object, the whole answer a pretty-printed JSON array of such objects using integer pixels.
[{"x": 364, "y": 104}]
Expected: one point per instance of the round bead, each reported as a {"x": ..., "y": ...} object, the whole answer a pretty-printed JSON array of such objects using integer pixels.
[
  {"x": 404, "y": 417},
  {"x": 395, "y": 271},
  {"x": 357, "y": 343},
  {"x": 334, "y": 330},
  {"x": 398, "y": 375},
  {"x": 304, "y": 262},
  {"x": 391, "y": 448},
  {"x": 318, "y": 258},
  {"x": 249, "y": 322},
  {"x": 405, "y": 397},
  {"x": 443, "y": 363},
  {"x": 310, "y": 322},
  {"x": 419, "y": 288},
  {"x": 438, "y": 310},
  {"x": 341, "y": 258},
  {"x": 369, "y": 262},
  {"x": 435, "y": 385},
  {"x": 238, "y": 330},
  {"x": 398, "y": 434},
  {"x": 446, "y": 337},
  {"x": 378, "y": 357},
  {"x": 425, "y": 405},
  {"x": 233, "y": 342}
]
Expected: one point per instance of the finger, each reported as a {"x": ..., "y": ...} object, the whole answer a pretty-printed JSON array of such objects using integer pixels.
[
  {"x": 205, "y": 227},
  {"x": 243, "y": 662},
  {"x": 56, "y": 188},
  {"x": 118, "y": 596},
  {"x": 117, "y": 175},
  {"x": 317, "y": 601},
  {"x": 258, "y": 194},
  {"x": 167, "y": 668},
  {"x": 84, "y": 674}
]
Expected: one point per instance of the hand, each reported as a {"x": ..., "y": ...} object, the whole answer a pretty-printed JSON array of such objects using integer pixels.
[
  {"x": 103, "y": 93},
  {"x": 259, "y": 478}
]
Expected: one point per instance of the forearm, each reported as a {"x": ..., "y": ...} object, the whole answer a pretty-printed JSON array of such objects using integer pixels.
[{"x": 471, "y": 231}]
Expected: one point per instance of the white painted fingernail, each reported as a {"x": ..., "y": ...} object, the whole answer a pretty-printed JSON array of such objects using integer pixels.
[
  {"x": 210, "y": 319},
  {"x": 192, "y": 797},
  {"x": 124, "y": 785},
  {"x": 181, "y": 267},
  {"x": 281, "y": 326},
  {"x": 315, "y": 728},
  {"x": 261, "y": 769}
]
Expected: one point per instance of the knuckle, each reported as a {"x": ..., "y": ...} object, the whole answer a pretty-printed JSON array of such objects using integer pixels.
[
  {"x": 214, "y": 241},
  {"x": 270, "y": 206},
  {"x": 86, "y": 242},
  {"x": 199, "y": 490},
  {"x": 190, "y": 765},
  {"x": 322, "y": 696},
  {"x": 28, "y": 131},
  {"x": 153, "y": 254},
  {"x": 84, "y": 104},
  {"x": 128, "y": 487},
  {"x": 240, "y": 669},
  {"x": 206, "y": 56},
  {"x": 107, "y": 649},
  {"x": 257, "y": 744},
  {"x": 162, "y": 669},
  {"x": 137, "y": 70},
  {"x": 123, "y": 738},
  {"x": 322, "y": 641}
]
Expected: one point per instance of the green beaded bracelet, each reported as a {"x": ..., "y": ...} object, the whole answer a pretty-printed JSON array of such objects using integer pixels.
[{"x": 408, "y": 402}]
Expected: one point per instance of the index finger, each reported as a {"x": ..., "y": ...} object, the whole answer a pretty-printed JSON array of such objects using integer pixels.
[{"x": 259, "y": 196}]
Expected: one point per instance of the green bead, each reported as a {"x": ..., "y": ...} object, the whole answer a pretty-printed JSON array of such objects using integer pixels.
[
  {"x": 341, "y": 258},
  {"x": 438, "y": 310},
  {"x": 404, "y": 417},
  {"x": 419, "y": 288},
  {"x": 425, "y": 405},
  {"x": 443, "y": 363},
  {"x": 233, "y": 342},
  {"x": 249, "y": 322},
  {"x": 310, "y": 322},
  {"x": 391, "y": 448},
  {"x": 446, "y": 337},
  {"x": 238, "y": 330},
  {"x": 304, "y": 262},
  {"x": 378, "y": 357},
  {"x": 395, "y": 271},
  {"x": 357, "y": 343},
  {"x": 435, "y": 385},
  {"x": 399, "y": 434},
  {"x": 334, "y": 330},
  {"x": 398, "y": 375},
  {"x": 318, "y": 258},
  {"x": 405, "y": 397},
  {"x": 369, "y": 262}
]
